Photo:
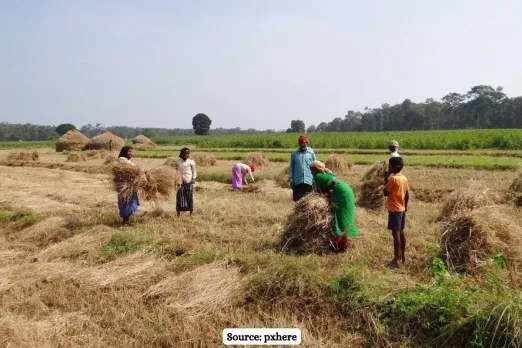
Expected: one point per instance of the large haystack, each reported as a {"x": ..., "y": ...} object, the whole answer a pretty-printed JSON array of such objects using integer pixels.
[
  {"x": 141, "y": 142},
  {"x": 470, "y": 239},
  {"x": 371, "y": 196},
  {"x": 339, "y": 165},
  {"x": 73, "y": 140},
  {"x": 463, "y": 200},
  {"x": 309, "y": 226},
  {"x": 203, "y": 159},
  {"x": 23, "y": 156},
  {"x": 149, "y": 185},
  {"x": 257, "y": 159},
  {"x": 105, "y": 141}
]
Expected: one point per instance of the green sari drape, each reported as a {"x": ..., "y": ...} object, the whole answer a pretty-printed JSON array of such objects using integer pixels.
[{"x": 342, "y": 201}]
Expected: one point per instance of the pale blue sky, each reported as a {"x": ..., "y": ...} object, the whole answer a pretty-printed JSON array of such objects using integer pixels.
[{"x": 256, "y": 64}]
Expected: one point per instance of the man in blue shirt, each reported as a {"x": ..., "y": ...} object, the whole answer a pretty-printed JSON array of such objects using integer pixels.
[{"x": 299, "y": 173}]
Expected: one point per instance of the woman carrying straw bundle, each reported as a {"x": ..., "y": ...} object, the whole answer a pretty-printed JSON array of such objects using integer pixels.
[
  {"x": 239, "y": 175},
  {"x": 342, "y": 203},
  {"x": 127, "y": 206}
]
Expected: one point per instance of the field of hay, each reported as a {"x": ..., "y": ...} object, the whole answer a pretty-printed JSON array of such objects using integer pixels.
[{"x": 70, "y": 275}]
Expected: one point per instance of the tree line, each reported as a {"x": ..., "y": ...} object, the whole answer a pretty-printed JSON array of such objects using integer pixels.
[{"x": 481, "y": 107}]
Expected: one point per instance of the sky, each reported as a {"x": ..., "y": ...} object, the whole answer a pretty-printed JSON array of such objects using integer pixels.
[{"x": 249, "y": 64}]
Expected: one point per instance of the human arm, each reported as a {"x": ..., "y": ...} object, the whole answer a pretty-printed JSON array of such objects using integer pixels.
[
  {"x": 291, "y": 170},
  {"x": 406, "y": 199},
  {"x": 388, "y": 187},
  {"x": 251, "y": 175},
  {"x": 194, "y": 171}
]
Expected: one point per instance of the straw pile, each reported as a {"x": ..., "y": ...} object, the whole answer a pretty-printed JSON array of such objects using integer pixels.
[
  {"x": 171, "y": 161},
  {"x": 371, "y": 196},
  {"x": 74, "y": 157},
  {"x": 257, "y": 159},
  {"x": 204, "y": 160},
  {"x": 471, "y": 238},
  {"x": 23, "y": 156},
  {"x": 339, "y": 165},
  {"x": 73, "y": 140},
  {"x": 110, "y": 159},
  {"x": 463, "y": 200},
  {"x": 103, "y": 141},
  {"x": 149, "y": 185},
  {"x": 281, "y": 179},
  {"x": 95, "y": 154},
  {"x": 141, "y": 142},
  {"x": 309, "y": 227}
]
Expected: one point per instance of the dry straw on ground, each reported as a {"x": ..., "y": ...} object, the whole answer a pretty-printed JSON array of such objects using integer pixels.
[
  {"x": 371, "y": 194},
  {"x": 203, "y": 291},
  {"x": 470, "y": 239},
  {"x": 516, "y": 185},
  {"x": 463, "y": 200},
  {"x": 309, "y": 226},
  {"x": 23, "y": 156},
  {"x": 75, "y": 157},
  {"x": 171, "y": 161},
  {"x": 141, "y": 142},
  {"x": 95, "y": 154},
  {"x": 257, "y": 159},
  {"x": 149, "y": 185},
  {"x": 203, "y": 159},
  {"x": 105, "y": 141},
  {"x": 109, "y": 159},
  {"x": 339, "y": 165},
  {"x": 73, "y": 140}
]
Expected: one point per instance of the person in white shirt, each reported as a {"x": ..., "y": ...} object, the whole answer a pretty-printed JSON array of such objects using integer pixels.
[
  {"x": 185, "y": 194},
  {"x": 127, "y": 207},
  {"x": 239, "y": 175},
  {"x": 393, "y": 146}
]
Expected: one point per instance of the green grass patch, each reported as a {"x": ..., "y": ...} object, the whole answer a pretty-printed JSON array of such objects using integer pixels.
[
  {"x": 123, "y": 242},
  {"x": 30, "y": 144},
  {"x": 17, "y": 219}
]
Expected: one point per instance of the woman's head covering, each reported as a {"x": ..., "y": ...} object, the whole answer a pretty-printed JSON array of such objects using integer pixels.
[
  {"x": 303, "y": 138},
  {"x": 321, "y": 168},
  {"x": 252, "y": 168},
  {"x": 124, "y": 150}
]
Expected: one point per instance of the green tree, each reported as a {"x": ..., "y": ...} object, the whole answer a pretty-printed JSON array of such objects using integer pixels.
[
  {"x": 201, "y": 124},
  {"x": 296, "y": 126},
  {"x": 148, "y": 132},
  {"x": 64, "y": 128}
]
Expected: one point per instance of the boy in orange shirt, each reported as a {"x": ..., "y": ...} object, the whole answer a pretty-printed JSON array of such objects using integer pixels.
[{"x": 396, "y": 191}]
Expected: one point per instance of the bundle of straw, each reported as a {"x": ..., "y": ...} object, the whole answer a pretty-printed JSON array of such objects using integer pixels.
[
  {"x": 371, "y": 196},
  {"x": 23, "y": 156},
  {"x": 204, "y": 160},
  {"x": 74, "y": 157},
  {"x": 463, "y": 200},
  {"x": 127, "y": 180},
  {"x": 281, "y": 179},
  {"x": 257, "y": 159},
  {"x": 339, "y": 165},
  {"x": 309, "y": 227}
]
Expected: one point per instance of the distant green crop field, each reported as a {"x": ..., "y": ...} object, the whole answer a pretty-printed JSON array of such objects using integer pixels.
[
  {"x": 504, "y": 139},
  {"x": 22, "y": 144}
]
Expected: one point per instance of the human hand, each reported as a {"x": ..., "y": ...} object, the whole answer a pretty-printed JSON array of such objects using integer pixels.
[{"x": 193, "y": 182}]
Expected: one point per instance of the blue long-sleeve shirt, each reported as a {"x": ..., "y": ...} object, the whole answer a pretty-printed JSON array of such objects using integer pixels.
[{"x": 299, "y": 171}]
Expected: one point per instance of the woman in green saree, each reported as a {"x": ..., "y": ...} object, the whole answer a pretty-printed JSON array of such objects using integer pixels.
[{"x": 342, "y": 203}]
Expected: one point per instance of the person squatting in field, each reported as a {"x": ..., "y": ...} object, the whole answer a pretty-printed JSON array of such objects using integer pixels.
[
  {"x": 396, "y": 191},
  {"x": 342, "y": 204},
  {"x": 185, "y": 193},
  {"x": 299, "y": 173},
  {"x": 239, "y": 175},
  {"x": 127, "y": 207}
]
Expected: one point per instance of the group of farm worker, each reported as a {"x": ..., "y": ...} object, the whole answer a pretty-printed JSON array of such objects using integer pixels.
[{"x": 305, "y": 174}]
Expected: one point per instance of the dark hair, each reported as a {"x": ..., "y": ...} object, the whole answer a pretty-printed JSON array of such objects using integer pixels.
[
  {"x": 124, "y": 150},
  {"x": 397, "y": 162},
  {"x": 183, "y": 150}
]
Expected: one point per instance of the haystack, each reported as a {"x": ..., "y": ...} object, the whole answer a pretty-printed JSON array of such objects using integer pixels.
[
  {"x": 470, "y": 239},
  {"x": 74, "y": 157},
  {"x": 309, "y": 227},
  {"x": 204, "y": 160},
  {"x": 463, "y": 200},
  {"x": 73, "y": 140},
  {"x": 23, "y": 156},
  {"x": 149, "y": 185},
  {"x": 339, "y": 165},
  {"x": 371, "y": 196},
  {"x": 141, "y": 142},
  {"x": 257, "y": 159},
  {"x": 281, "y": 179},
  {"x": 110, "y": 159},
  {"x": 103, "y": 141}
]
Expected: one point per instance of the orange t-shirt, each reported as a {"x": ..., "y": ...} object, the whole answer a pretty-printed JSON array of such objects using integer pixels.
[{"x": 397, "y": 187}]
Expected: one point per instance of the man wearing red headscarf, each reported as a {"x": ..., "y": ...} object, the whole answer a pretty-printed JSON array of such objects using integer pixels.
[{"x": 299, "y": 173}]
